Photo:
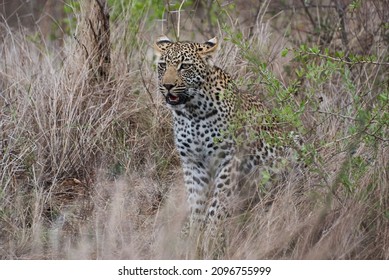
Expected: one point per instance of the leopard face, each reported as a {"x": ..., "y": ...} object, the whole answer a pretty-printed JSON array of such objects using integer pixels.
[{"x": 183, "y": 68}]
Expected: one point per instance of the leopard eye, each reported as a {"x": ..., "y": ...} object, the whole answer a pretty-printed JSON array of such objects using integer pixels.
[{"x": 185, "y": 66}]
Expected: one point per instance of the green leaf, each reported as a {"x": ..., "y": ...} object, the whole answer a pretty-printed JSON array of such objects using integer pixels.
[
  {"x": 339, "y": 54},
  {"x": 383, "y": 97},
  {"x": 314, "y": 50}
]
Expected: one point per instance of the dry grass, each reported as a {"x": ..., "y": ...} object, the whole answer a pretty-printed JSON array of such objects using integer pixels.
[{"x": 90, "y": 172}]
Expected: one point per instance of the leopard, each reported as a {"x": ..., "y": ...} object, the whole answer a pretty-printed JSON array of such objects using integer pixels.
[{"x": 222, "y": 134}]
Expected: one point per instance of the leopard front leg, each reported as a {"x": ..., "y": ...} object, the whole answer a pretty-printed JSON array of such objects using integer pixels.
[
  {"x": 221, "y": 206},
  {"x": 197, "y": 186}
]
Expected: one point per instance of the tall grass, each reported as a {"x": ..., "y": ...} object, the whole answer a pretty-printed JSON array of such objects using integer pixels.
[{"x": 90, "y": 172}]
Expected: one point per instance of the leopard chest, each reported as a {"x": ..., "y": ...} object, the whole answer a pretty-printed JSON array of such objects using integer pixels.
[{"x": 197, "y": 139}]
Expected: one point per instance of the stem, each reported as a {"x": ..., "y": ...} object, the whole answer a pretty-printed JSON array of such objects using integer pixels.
[{"x": 179, "y": 19}]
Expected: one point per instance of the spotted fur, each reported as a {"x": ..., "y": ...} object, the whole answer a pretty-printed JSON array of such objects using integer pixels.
[{"x": 219, "y": 132}]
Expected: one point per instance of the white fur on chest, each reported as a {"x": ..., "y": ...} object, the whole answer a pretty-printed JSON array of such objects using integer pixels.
[{"x": 196, "y": 138}]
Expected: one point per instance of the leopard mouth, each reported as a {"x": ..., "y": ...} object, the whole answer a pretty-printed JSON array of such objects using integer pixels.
[{"x": 175, "y": 99}]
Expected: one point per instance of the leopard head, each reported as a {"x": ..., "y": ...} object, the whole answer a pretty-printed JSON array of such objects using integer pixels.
[{"x": 182, "y": 68}]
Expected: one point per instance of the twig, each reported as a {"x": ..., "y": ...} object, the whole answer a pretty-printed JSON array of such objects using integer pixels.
[
  {"x": 340, "y": 10},
  {"x": 309, "y": 15},
  {"x": 145, "y": 85},
  {"x": 346, "y": 60},
  {"x": 179, "y": 19},
  {"x": 333, "y": 114}
]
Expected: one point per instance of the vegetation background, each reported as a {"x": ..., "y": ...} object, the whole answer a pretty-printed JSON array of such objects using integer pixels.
[{"x": 88, "y": 168}]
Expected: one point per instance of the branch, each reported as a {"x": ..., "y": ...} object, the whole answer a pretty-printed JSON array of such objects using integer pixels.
[{"x": 346, "y": 60}]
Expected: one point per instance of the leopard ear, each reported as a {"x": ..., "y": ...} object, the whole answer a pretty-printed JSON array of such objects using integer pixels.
[
  {"x": 162, "y": 44},
  {"x": 208, "y": 49}
]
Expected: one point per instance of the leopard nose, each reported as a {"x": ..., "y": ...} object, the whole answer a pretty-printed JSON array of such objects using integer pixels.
[{"x": 168, "y": 86}]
